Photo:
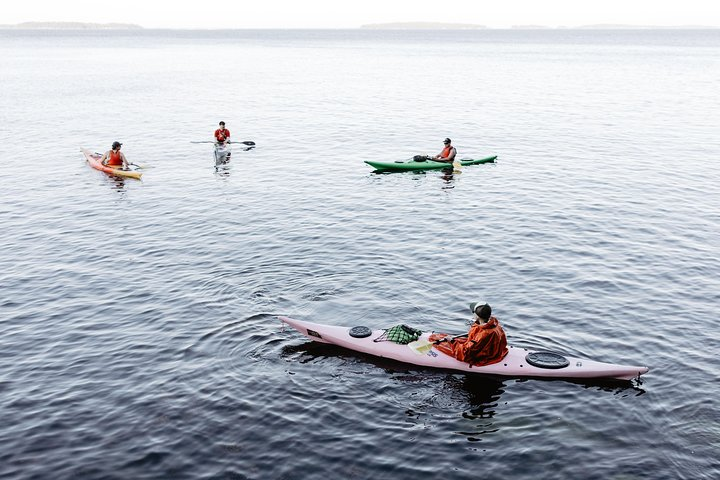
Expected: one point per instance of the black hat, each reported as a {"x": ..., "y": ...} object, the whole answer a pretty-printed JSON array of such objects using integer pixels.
[
  {"x": 481, "y": 309},
  {"x": 116, "y": 145},
  {"x": 221, "y": 123},
  {"x": 447, "y": 140}
]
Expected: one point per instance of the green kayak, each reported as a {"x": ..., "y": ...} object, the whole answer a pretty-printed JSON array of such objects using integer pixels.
[{"x": 426, "y": 165}]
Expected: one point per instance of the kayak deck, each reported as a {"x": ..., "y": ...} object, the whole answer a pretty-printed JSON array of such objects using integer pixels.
[
  {"x": 426, "y": 165},
  {"x": 422, "y": 353},
  {"x": 94, "y": 160}
]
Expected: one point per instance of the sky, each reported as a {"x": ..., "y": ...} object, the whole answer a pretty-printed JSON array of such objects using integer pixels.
[{"x": 354, "y": 13}]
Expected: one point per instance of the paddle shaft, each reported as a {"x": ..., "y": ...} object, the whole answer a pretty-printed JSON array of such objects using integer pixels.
[
  {"x": 245, "y": 142},
  {"x": 446, "y": 339}
]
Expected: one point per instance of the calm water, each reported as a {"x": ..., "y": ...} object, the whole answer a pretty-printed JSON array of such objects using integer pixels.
[{"x": 138, "y": 319}]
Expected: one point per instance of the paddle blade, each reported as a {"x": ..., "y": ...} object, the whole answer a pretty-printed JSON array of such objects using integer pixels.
[{"x": 421, "y": 347}]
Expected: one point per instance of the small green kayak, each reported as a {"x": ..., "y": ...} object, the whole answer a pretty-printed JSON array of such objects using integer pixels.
[{"x": 426, "y": 165}]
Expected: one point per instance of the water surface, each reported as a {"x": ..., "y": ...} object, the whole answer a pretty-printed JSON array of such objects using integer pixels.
[{"x": 138, "y": 319}]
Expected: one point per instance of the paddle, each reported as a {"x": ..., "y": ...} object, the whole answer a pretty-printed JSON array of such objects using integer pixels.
[
  {"x": 455, "y": 164},
  {"x": 446, "y": 339},
  {"x": 142, "y": 167},
  {"x": 426, "y": 158},
  {"x": 246, "y": 142},
  {"x": 421, "y": 347}
]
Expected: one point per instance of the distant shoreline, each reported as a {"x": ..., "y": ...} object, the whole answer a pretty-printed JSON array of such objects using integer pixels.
[
  {"x": 397, "y": 26},
  {"x": 463, "y": 26},
  {"x": 71, "y": 26},
  {"x": 422, "y": 26}
]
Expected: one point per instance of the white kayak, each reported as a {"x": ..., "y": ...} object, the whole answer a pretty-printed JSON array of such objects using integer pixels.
[
  {"x": 519, "y": 362},
  {"x": 222, "y": 151}
]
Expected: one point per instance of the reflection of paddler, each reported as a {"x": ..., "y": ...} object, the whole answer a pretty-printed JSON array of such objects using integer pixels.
[
  {"x": 484, "y": 344},
  {"x": 114, "y": 157}
]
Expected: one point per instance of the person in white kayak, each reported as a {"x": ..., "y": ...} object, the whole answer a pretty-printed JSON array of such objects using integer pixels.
[{"x": 222, "y": 135}]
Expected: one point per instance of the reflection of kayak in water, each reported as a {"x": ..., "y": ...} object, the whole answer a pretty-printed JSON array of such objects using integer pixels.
[
  {"x": 519, "y": 362},
  {"x": 222, "y": 151},
  {"x": 425, "y": 165},
  {"x": 94, "y": 160}
]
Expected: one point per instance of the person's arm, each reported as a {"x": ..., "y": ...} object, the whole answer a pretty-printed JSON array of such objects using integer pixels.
[
  {"x": 125, "y": 162},
  {"x": 103, "y": 158},
  {"x": 449, "y": 159},
  {"x": 440, "y": 158}
]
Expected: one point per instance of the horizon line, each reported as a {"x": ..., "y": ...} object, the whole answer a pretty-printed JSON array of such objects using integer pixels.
[
  {"x": 514, "y": 27},
  {"x": 69, "y": 25}
]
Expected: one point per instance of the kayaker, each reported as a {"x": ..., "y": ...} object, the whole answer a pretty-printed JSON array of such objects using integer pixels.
[
  {"x": 114, "y": 157},
  {"x": 448, "y": 152},
  {"x": 222, "y": 134},
  {"x": 484, "y": 344}
]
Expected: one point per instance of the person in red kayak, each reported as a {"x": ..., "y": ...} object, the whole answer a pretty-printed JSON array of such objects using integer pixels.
[
  {"x": 484, "y": 344},
  {"x": 222, "y": 134},
  {"x": 114, "y": 157},
  {"x": 448, "y": 153}
]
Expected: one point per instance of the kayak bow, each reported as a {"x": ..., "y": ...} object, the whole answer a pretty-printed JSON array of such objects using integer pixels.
[
  {"x": 94, "y": 160},
  {"x": 519, "y": 362}
]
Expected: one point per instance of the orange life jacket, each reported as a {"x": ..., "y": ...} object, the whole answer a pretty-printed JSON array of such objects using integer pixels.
[
  {"x": 114, "y": 159},
  {"x": 446, "y": 151},
  {"x": 485, "y": 344}
]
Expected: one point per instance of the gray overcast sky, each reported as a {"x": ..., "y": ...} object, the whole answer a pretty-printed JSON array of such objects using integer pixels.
[{"x": 353, "y": 13}]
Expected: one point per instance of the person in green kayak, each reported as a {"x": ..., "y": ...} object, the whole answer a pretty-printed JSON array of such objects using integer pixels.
[
  {"x": 448, "y": 152},
  {"x": 114, "y": 157}
]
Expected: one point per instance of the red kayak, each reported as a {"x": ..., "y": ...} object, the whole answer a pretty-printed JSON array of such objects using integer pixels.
[{"x": 94, "y": 160}]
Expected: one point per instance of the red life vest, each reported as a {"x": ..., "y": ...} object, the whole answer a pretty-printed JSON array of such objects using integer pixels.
[
  {"x": 114, "y": 159},
  {"x": 222, "y": 134},
  {"x": 446, "y": 152}
]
